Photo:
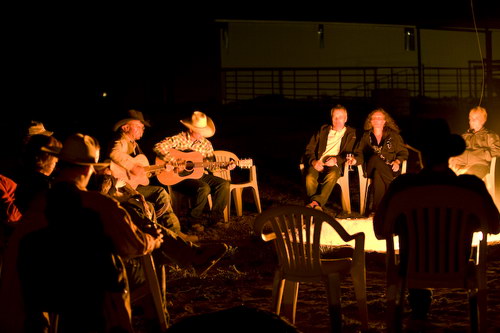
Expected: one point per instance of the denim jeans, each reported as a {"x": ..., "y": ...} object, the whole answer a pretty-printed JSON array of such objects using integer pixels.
[{"x": 199, "y": 189}]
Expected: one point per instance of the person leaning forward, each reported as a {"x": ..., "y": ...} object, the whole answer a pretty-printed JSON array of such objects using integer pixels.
[
  {"x": 325, "y": 156},
  {"x": 65, "y": 256}
]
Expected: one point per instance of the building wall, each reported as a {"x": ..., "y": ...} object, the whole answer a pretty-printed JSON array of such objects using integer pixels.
[{"x": 297, "y": 44}]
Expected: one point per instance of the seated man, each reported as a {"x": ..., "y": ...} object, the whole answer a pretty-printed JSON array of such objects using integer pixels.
[
  {"x": 125, "y": 153},
  {"x": 437, "y": 145},
  {"x": 325, "y": 156},
  {"x": 482, "y": 146},
  {"x": 199, "y": 127}
]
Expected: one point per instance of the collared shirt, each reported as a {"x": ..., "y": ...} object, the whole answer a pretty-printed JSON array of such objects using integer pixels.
[
  {"x": 333, "y": 142},
  {"x": 183, "y": 142}
]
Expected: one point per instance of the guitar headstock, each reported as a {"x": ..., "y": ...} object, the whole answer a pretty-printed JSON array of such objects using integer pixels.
[{"x": 246, "y": 163}]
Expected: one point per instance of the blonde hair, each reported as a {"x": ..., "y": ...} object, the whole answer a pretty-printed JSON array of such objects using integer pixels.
[
  {"x": 481, "y": 111},
  {"x": 389, "y": 122}
]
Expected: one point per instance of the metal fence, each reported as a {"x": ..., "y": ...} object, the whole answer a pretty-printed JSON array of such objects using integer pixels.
[{"x": 316, "y": 83}]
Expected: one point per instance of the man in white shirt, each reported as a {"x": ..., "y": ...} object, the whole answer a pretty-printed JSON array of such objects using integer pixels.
[{"x": 325, "y": 156}]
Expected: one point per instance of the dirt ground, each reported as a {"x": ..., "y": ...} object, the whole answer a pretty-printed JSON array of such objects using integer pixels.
[{"x": 244, "y": 277}]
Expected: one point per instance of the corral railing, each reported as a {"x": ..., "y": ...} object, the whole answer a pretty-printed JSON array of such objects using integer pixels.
[{"x": 315, "y": 83}]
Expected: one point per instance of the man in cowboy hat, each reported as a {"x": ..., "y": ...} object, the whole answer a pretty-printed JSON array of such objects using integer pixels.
[
  {"x": 70, "y": 244},
  {"x": 436, "y": 145},
  {"x": 199, "y": 128},
  {"x": 124, "y": 153}
]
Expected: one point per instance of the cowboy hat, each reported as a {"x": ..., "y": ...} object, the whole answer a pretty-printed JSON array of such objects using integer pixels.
[
  {"x": 132, "y": 115},
  {"x": 200, "y": 123},
  {"x": 436, "y": 140},
  {"x": 37, "y": 127},
  {"x": 81, "y": 149}
]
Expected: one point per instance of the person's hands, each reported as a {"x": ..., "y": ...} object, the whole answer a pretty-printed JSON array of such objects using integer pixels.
[
  {"x": 395, "y": 165},
  {"x": 158, "y": 239},
  {"x": 318, "y": 165},
  {"x": 138, "y": 170},
  {"x": 231, "y": 165},
  {"x": 331, "y": 161}
]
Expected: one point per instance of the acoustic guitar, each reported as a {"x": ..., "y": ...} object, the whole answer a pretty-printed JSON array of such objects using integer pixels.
[
  {"x": 190, "y": 165},
  {"x": 123, "y": 174}
]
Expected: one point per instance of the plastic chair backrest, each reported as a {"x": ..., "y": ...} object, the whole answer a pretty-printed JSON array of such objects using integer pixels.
[
  {"x": 489, "y": 179},
  {"x": 296, "y": 231},
  {"x": 438, "y": 223}
]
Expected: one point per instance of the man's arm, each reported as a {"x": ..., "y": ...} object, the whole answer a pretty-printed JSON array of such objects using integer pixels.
[
  {"x": 312, "y": 151},
  {"x": 494, "y": 144},
  {"x": 8, "y": 209},
  {"x": 347, "y": 145},
  {"x": 162, "y": 149},
  {"x": 128, "y": 239}
]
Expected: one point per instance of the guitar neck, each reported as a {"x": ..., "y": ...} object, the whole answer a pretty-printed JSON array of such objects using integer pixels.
[{"x": 211, "y": 165}]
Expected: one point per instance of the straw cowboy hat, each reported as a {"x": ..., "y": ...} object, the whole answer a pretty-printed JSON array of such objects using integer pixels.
[
  {"x": 37, "y": 127},
  {"x": 131, "y": 115},
  {"x": 81, "y": 149},
  {"x": 200, "y": 123}
]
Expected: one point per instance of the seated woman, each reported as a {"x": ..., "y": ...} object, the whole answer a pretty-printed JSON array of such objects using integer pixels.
[{"x": 382, "y": 150}]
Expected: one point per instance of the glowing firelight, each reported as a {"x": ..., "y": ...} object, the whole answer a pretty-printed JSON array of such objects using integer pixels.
[{"x": 352, "y": 226}]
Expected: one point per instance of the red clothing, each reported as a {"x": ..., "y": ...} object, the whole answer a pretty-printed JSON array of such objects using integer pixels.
[{"x": 8, "y": 211}]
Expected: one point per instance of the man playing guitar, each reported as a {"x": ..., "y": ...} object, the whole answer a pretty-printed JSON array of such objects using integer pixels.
[
  {"x": 199, "y": 128},
  {"x": 125, "y": 152}
]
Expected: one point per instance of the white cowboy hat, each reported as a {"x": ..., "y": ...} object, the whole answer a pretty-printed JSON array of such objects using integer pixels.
[
  {"x": 200, "y": 123},
  {"x": 81, "y": 149}
]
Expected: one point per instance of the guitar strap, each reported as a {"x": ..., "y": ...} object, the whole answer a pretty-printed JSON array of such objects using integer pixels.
[{"x": 137, "y": 150}]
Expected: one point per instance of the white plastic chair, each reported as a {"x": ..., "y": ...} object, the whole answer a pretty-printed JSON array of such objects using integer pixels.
[
  {"x": 236, "y": 189},
  {"x": 296, "y": 233},
  {"x": 489, "y": 179},
  {"x": 436, "y": 247}
]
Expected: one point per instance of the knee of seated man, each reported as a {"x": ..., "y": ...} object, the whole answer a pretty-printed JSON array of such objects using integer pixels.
[{"x": 204, "y": 189}]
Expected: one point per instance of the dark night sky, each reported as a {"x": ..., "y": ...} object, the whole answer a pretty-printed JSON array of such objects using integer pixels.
[{"x": 58, "y": 55}]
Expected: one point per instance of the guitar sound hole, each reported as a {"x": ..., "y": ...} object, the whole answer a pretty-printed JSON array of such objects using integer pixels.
[{"x": 189, "y": 166}]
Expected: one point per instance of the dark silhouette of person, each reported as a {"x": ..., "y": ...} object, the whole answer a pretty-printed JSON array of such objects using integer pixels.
[
  {"x": 242, "y": 319},
  {"x": 437, "y": 145}
]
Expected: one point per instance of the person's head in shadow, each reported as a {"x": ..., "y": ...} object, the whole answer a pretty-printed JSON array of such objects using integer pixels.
[
  {"x": 237, "y": 319},
  {"x": 436, "y": 143}
]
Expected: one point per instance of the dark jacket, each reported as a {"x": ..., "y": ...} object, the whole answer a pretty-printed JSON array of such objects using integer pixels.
[
  {"x": 317, "y": 145},
  {"x": 391, "y": 147},
  {"x": 482, "y": 146}
]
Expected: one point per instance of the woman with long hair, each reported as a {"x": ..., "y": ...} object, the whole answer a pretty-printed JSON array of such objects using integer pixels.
[{"x": 382, "y": 151}]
